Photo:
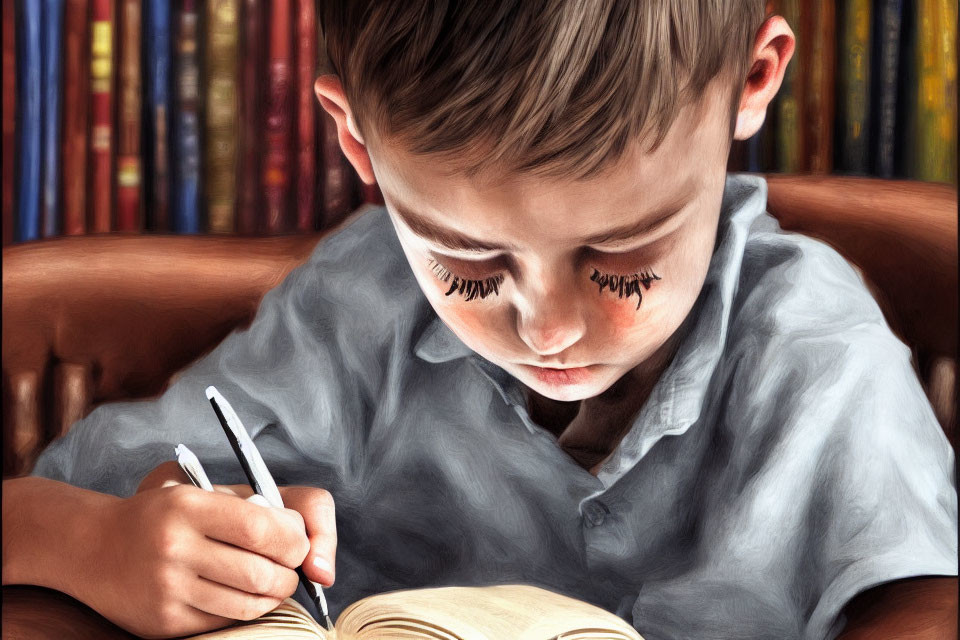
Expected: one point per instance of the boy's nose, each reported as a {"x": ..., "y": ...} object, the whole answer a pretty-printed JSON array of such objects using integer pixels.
[{"x": 549, "y": 332}]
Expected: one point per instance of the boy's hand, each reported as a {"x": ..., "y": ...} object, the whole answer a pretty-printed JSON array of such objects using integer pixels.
[
  {"x": 176, "y": 560},
  {"x": 316, "y": 506}
]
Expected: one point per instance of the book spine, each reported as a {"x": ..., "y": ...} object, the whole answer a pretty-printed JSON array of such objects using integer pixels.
[
  {"x": 156, "y": 78},
  {"x": 886, "y": 53},
  {"x": 936, "y": 110},
  {"x": 788, "y": 133},
  {"x": 9, "y": 115},
  {"x": 279, "y": 108},
  {"x": 248, "y": 205},
  {"x": 29, "y": 117},
  {"x": 75, "y": 97},
  {"x": 101, "y": 114},
  {"x": 220, "y": 146},
  {"x": 854, "y": 86},
  {"x": 371, "y": 193},
  {"x": 336, "y": 177},
  {"x": 817, "y": 59},
  {"x": 50, "y": 170},
  {"x": 186, "y": 177},
  {"x": 306, "y": 115},
  {"x": 128, "y": 133}
]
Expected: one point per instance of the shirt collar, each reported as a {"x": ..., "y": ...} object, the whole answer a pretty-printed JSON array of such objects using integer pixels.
[
  {"x": 439, "y": 344},
  {"x": 677, "y": 399}
]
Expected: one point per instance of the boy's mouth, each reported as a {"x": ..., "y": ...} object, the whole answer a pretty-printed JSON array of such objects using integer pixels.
[{"x": 559, "y": 376}]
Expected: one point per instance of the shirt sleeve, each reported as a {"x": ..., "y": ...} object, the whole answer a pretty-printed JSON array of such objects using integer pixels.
[
  {"x": 286, "y": 376},
  {"x": 882, "y": 502}
]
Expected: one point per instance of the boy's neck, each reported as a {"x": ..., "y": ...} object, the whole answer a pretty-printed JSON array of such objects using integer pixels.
[{"x": 589, "y": 430}]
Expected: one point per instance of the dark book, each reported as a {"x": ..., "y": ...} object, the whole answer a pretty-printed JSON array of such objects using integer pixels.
[
  {"x": 50, "y": 165},
  {"x": 853, "y": 87},
  {"x": 371, "y": 193},
  {"x": 185, "y": 170},
  {"x": 101, "y": 115},
  {"x": 251, "y": 79},
  {"x": 128, "y": 119},
  {"x": 221, "y": 59},
  {"x": 9, "y": 115},
  {"x": 29, "y": 119},
  {"x": 817, "y": 55},
  {"x": 788, "y": 133},
  {"x": 76, "y": 98},
  {"x": 279, "y": 120},
  {"x": 156, "y": 79},
  {"x": 306, "y": 116},
  {"x": 887, "y": 20}
]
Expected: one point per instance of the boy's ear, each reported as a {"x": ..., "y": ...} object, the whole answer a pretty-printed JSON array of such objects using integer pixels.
[
  {"x": 772, "y": 50},
  {"x": 330, "y": 94}
]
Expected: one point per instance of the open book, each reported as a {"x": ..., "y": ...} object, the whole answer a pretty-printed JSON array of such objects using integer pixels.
[{"x": 503, "y": 612}]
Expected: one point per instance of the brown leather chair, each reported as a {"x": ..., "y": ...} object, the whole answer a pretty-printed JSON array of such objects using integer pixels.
[{"x": 88, "y": 320}]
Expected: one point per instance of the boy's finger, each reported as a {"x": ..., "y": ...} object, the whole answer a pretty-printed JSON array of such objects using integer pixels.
[
  {"x": 258, "y": 499},
  {"x": 239, "y": 490},
  {"x": 319, "y": 516}
]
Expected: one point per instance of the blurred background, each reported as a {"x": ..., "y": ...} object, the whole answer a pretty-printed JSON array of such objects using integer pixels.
[{"x": 198, "y": 116}]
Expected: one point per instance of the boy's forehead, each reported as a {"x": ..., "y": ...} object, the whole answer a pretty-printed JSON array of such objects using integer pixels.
[{"x": 642, "y": 183}]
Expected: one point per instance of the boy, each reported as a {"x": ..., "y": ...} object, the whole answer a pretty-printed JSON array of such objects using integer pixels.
[{"x": 570, "y": 353}]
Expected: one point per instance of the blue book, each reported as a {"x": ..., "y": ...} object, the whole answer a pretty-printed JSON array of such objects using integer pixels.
[
  {"x": 52, "y": 38},
  {"x": 29, "y": 118},
  {"x": 156, "y": 60},
  {"x": 888, "y": 19},
  {"x": 186, "y": 133}
]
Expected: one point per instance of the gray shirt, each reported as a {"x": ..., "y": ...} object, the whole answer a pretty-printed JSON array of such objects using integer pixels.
[{"x": 786, "y": 460}]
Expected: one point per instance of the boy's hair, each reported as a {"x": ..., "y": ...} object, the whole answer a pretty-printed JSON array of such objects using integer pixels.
[{"x": 551, "y": 87}]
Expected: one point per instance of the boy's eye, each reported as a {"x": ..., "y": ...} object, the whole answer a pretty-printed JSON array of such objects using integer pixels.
[
  {"x": 470, "y": 289},
  {"x": 625, "y": 285}
]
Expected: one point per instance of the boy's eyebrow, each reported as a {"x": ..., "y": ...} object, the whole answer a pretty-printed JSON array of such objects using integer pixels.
[{"x": 457, "y": 241}]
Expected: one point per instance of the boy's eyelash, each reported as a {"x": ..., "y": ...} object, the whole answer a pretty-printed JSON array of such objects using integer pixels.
[
  {"x": 469, "y": 289},
  {"x": 623, "y": 285}
]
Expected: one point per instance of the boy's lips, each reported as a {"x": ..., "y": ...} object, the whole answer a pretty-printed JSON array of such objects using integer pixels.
[{"x": 559, "y": 376}]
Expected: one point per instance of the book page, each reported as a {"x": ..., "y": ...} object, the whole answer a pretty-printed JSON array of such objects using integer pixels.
[
  {"x": 289, "y": 621},
  {"x": 500, "y": 612}
]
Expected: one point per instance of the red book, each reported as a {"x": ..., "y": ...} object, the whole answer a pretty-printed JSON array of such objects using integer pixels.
[
  {"x": 336, "y": 177},
  {"x": 76, "y": 76},
  {"x": 251, "y": 74},
  {"x": 128, "y": 134},
  {"x": 306, "y": 115},
  {"x": 9, "y": 109},
  {"x": 279, "y": 129},
  {"x": 817, "y": 59},
  {"x": 101, "y": 111}
]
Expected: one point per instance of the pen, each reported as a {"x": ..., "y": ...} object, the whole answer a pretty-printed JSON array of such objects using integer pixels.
[{"x": 260, "y": 479}]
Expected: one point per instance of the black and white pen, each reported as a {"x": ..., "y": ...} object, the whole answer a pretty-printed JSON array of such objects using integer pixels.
[{"x": 260, "y": 480}]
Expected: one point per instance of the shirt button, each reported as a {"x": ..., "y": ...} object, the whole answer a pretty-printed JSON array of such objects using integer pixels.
[{"x": 595, "y": 513}]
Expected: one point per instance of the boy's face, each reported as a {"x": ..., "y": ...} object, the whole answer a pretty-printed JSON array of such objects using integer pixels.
[{"x": 567, "y": 285}]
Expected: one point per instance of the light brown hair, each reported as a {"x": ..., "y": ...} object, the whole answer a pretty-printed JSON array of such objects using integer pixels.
[{"x": 550, "y": 87}]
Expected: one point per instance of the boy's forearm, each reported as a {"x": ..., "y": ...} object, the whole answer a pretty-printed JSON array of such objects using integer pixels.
[{"x": 49, "y": 530}]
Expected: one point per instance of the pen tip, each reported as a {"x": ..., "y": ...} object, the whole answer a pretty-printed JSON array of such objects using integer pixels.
[
  {"x": 329, "y": 623},
  {"x": 211, "y": 392}
]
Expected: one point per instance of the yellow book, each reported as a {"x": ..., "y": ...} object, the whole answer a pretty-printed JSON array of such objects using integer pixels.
[
  {"x": 936, "y": 140},
  {"x": 502, "y": 612}
]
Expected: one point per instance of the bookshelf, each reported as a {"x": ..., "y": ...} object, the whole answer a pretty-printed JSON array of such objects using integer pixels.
[{"x": 188, "y": 116}]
